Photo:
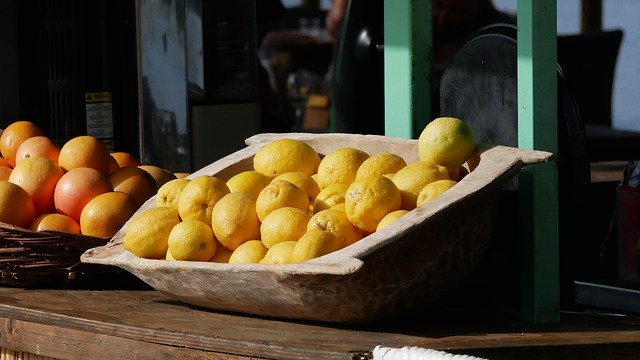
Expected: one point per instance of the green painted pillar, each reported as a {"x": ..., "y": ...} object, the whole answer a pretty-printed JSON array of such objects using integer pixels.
[
  {"x": 537, "y": 129},
  {"x": 407, "y": 67}
]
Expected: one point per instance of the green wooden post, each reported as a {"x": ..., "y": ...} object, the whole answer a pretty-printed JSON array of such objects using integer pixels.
[
  {"x": 407, "y": 66},
  {"x": 537, "y": 129}
]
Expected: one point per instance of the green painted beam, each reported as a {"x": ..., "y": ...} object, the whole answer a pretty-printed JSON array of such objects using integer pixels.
[
  {"x": 537, "y": 129},
  {"x": 407, "y": 66}
]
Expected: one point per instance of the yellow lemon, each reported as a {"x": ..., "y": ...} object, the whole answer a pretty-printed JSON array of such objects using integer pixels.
[
  {"x": 280, "y": 193},
  {"x": 285, "y": 155},
  {"x": 169, "y": 193},
  {"x": 339, "y": 207},
  {"x": 280, "y": 253},
  {"x": 330, "y": 196},
  {"x": 249, "y": 181},
  {"x": 340, "y": 166},
  {"x": 337, "y": 223},
  {"x": 380, "y": 164},
  {"x": 199, "y": 196},
  {"x": 251, "y": 252},
  {"x": 446, "y": 141},
  {"x": 221, "y": 255},
  {"x": 147, "y": 234},
  {"x": 283, "y": 224},
  {"x": 413, "y": 177},
  {"x": 234, "y": 220},
  {"x": 314, "y": 243},
  {"x": 390, "y": 218},
  {"x": 192, "y": 240},
  {"x": 369, "y": 199},
  {"x": 432, "y": 190},
  {"x": 303, "y": 181},
  {"x": 169, "y": 256}
]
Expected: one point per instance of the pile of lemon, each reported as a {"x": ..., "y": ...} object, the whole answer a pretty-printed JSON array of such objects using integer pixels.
[{"x": 294, "y": 205}]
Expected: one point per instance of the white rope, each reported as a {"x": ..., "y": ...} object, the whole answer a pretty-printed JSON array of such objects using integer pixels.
[{"x": 416, "y": 353}]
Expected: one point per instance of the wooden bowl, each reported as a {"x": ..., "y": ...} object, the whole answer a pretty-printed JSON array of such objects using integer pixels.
[{"x": 408, "y": 264}]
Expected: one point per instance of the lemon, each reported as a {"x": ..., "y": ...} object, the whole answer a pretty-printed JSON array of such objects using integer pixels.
[
  {"x": 432, "y": 190},
  {"x": 303, "y": 181},
  {"x": 446, "y": 141},
  {"x": 234, "y": 219},
  {"x": 192, "y": 240},
  {"x": 369, "y": 199},
  {"x": 337, "y": 223},
  {"x": 380, "y": 164},
  {"x": 413, "y": 177},
  {"x": 249, "y": 181},
  {"x": 169, "y": 193},
  {"x": 390, "y": 218},
  {"x": 251, "y": 252},
  {"x": 283, "y": 224},
  {"x": 280, "y": 253},
  {"x": 339, "y": 207},
  {"x": 169, "y": 256},
  {"x": 330, "y": 196},
  {"x": 221, "y": 255},
  {"x": 280, "y": 193},
  {"x": 286, "y": 155},
  {"x": 198, "y": 197},
  {"x": 314, "y": 243},
  {"x": 147, "y": 234},
  {"x": 340, "y": 166}
]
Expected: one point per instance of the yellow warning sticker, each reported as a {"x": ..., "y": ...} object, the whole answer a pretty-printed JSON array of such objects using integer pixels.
[{"x": 97, "y": 97}]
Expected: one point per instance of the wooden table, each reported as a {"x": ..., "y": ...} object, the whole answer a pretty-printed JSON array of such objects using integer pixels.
[{"x": 145, "y": 324}]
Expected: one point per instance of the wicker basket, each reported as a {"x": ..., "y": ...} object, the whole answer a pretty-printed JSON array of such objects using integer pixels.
[{"x": 29, "y": 258}]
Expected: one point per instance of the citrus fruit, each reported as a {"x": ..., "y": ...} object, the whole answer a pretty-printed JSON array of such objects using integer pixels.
[
  {"x": 38, "y": 146},
  {"x": 125, "y": 159},
  {"x": 221, "y": 255},
  {"x": 4, "y": 163},
  {"x": 160, "y": 175},
  {"x": 330, "y": 196},
  {"x": 446, "y": 141},
  {"x": 380, "y": 164},
  {"x": 76, "y": 188},
  {"x": 113, "y": 164},
  {"x": 198, "y": 197},
  {"x": 169, "y": 193},
  {"x": 106, "y": 213},
  {"x": 249, "y": 181},
  {"x": 337, "y": 223},
  {"x": 168, "y": 256},
  {"x": 283, "y": 224},
  {"x": 55, "y": 222},
  {"x": 303, "y": 181},
  {"x": 13, "y": 136},
  {"x": 251, "y": 252},
  {"x": 286, "y": 155},
  {"x": 390, "y": 218},
  {"x": 85, "y": 151},
  {"x": 147, "y": 235},
  {"x": 234, "y": 219},
  {"x": 181, "y": 175},
  {"x": 369, "y": 199},
  {"x": 192, "y": 240},
  {"x": 279, "y": 253},
  {"x": 433, "y": 189},
  {"x": 39, "y": 177},
  {"x": 413, "y": 177},
  {"x": 134, "y": 182},
  {"x": 5, "y": 173},
  {"x": 280, "y": 193},
  {"x": 314, "y": 243},
  {"x": 16, "y": 206},
  {"x": 340, "y": 166}
]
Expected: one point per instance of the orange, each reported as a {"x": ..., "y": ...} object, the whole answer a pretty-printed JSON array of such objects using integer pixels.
[
  {"x": 76, "y": 188},
  {"x": 4, "y": 163},
  {"x": 84, "y": 151},
  {"x": 125, "y": 159},
  {"x": 181, "y": 175},
  {"x": 38, "y": 146},
  {"x": 55, "y": 222},
  {"x": 5, "y": 172},
  {"x": 134, "y": 182},
  {"x": 113, "y": 164},
  {"x": 160, "y": 175},
  {"x": 38, "y": 176},
  {"x": 106, "y": 213},
  {"x": 16, "y": 206},
  {"x": 13, "y": 136}
]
